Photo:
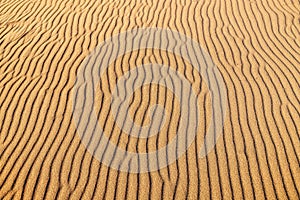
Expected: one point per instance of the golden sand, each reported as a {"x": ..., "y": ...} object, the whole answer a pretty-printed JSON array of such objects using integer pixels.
[{"x": 254, "y": 44}]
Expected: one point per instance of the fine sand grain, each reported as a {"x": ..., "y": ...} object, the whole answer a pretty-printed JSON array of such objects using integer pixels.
[{"x": 254, "y": 43}]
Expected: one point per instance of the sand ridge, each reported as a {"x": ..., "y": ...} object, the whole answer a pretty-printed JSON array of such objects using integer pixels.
[{"x": 254, "y": 44}]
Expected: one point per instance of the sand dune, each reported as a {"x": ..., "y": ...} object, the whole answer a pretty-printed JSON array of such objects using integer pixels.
[{"x": 254, "y": 44}]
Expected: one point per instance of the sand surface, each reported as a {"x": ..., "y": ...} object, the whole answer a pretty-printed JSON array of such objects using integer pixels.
[{"x": 254, "y": 43}]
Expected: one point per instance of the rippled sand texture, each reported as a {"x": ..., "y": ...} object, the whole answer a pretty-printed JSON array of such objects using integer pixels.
[{"x": 256, "y": 47}]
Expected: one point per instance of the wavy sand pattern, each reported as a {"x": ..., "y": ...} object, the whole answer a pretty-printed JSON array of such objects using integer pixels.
[{"x": 254, "y": 44}]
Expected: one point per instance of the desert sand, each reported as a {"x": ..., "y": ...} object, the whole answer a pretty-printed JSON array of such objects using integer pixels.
[{"x": 255, "y": 44}]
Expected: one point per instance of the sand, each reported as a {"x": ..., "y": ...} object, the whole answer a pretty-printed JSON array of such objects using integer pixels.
[{"x": 255, "y": 46}]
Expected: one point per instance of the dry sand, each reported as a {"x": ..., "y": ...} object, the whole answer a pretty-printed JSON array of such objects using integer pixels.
[{"x": 254, "y": 44}]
